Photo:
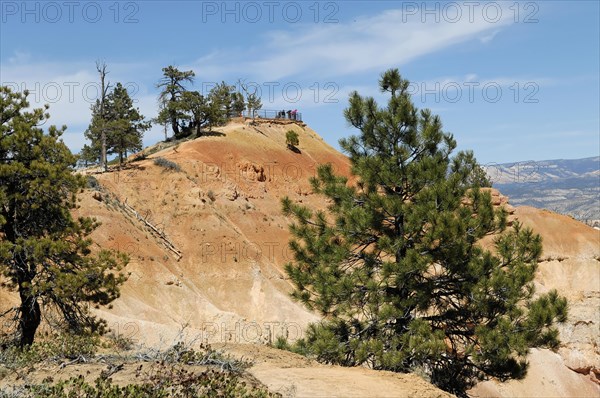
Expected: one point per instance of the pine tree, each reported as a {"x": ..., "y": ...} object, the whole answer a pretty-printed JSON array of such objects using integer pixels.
[
  {"x": 96, "y": 133},
  {"x": 238, "y": 104},
  {"x": 203, "y": 112},
  {"x": 197, "y": 110},
  {"x": 170, "y": 98},
  {"x": 395, "y": 265},
  {"x": 87, "y": 156},
  {"x": 291, "y": 139},
  {"x": 122, "y": 124},
  {"x": 253, "y": 101},
  {"x": 126, "y": 125},
  {"x": 226, "y": 98},
  {"x": 100, "y": 130},
  {"x": 254, "y": 104},
  {"x": 44, "y": 253}
]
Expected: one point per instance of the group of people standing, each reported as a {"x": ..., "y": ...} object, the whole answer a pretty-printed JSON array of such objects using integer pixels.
[{"x": 287, "y": 114}]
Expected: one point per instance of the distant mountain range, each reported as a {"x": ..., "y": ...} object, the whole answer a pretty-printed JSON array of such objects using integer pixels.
[{"x": 567, "y": 186}]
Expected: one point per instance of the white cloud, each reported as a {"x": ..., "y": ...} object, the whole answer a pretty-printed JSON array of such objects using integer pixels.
[
  {"x": 19, "y": 57},
  {"x": 304, "y": 53},
  {"x": 70, "y": 88},
  {"x": 328, "y": 50},
  {"x": 488, "y": 38}
]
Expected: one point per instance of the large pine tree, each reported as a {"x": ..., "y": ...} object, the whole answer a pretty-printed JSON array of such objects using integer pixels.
[
  {"x": 126, "y": 124},
  {"x": 171, "y": 98},
  {"x": 395, "y": 265},
  {"x": 44, "y": 253},
  {"x": 190, "y": 112},
  {"x": 122, "y": 124}
]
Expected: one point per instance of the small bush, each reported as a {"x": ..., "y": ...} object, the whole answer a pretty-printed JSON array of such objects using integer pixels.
[
  {"x": 119, "y": 342},
  {"x": 167, "y": 381},
  {"x": 225, "y": 376},
  {"x": 167, "y": 164},
  {"x": 282, "y": 344},
  {"x": 211, "y": 195},
  {"x": 183, "y": 353},
  {"x": 61, "y": 346},
  {"x": 298, "y": 347},
  {"x": 92, "y": 183},
  {"x": 140, "y": 156},
  {"x": 291, "y": 139},
  {"x": 3, "y": 372}
]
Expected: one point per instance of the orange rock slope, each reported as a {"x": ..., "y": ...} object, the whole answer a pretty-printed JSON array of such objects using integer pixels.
[
  {"x": 208, "y": 243},
  {"x": 222, "y": 212}
]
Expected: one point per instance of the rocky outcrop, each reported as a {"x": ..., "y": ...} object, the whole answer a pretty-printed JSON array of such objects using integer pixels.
[{"x": 570, "y": 263}]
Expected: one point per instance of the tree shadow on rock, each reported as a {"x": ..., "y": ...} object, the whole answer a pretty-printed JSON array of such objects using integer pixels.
[
  {"x": 294, "y": 149},
  {"x": 211, "y": 134}
]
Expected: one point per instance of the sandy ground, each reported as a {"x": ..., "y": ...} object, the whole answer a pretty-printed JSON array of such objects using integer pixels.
[{"x": 283, "y": 372}]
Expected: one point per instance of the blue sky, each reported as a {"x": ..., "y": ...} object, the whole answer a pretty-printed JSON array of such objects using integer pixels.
[{"x": 511, "y": 80}]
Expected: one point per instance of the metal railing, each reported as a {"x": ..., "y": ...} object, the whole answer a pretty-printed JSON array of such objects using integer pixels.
[{"x": 270, "y": 114}]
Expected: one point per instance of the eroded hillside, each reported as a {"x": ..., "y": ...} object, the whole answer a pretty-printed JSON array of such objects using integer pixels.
[
  {"x": 207, "y": 245},
  {"x": 221, "y": 210}
]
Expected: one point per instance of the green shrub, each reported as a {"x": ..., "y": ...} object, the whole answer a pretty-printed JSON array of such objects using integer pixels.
[
  {"x": 291, "y": 139},
  {"x": 119, "y": 342},
  {"x": 165, "y": 382},
  {"x": 57, "y": 347},
  {"x": 140, "y": 156},
  {"x": 166, "y": 378},
  {"x": 282, "y": 344},
  {"x": 225, "y": 376},
  {"x": 92, "y": 183},
  {"x": 298, "y": 347},
  {"x": 167, "y": 164}
]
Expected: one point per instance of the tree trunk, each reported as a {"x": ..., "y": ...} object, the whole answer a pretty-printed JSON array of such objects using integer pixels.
[
  {"x": 175, "y": 127},
  {"x": 30, "y": 315},
  {"x": 101, "y": 68},
  {"x": 198, "y": 129},
  {"x": 104, "y": 162}
]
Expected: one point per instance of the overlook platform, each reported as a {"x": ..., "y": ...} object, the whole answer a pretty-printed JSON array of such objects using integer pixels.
[{"x": 273, "y": 114}]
